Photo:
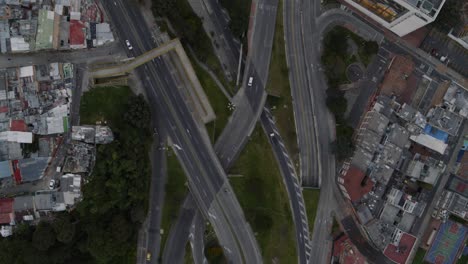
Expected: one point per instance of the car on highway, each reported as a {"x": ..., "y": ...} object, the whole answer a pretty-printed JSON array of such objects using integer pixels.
[
  {"x": 250, "y": 81},
  {"x": 129, "y": 46},
  {"x": 52, "y": 184}
]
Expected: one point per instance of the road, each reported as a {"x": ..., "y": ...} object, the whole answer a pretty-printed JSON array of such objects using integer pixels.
[
  {"x": 217, "y": 28},
  {"x": 180, "y": 229},
  {"x": 290, "y": 180},
  {"x": 113, "y": 49},
  {"x": 207, "y": 179},
  {"x": 249, "y": 100}
]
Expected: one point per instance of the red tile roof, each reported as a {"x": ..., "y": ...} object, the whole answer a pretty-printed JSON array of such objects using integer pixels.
[
  {"x": 400, "y": 253},
  {"x": 18, "y": 125},
  {"x": 463, "y": 170},
  {"x": 346, "y": 252},
  {"x": 77, "y": 35},
  {"x": 6, "y": 210},
  {"x": 356, "y": 183}
]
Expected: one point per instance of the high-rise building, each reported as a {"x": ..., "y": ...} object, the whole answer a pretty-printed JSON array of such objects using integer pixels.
[{"x": 400, "y": 16}]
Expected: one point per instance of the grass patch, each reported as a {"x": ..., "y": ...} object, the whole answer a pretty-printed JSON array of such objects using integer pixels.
[
  {"x": 279, "y": 89},
  {"x": 419, "y": 257},
  {"x": 311, "y": 200},
  {"x": 100, "y": 105},
  {"x": 175, "y": 192},
  {"x": 188, "y": 257},
  {"x": 218, "y": 101},
  {"x": 264, "y": 199},
  {"x": 335, "y": 226}
]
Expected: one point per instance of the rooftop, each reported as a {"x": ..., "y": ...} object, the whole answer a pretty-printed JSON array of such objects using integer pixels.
[
  {"x": 399, "y": 253},
  {"x": 356, "y": 183},
  {"x": 362, "y": 159},
  {"x": 399, "y": 136},
  {"x": 445, "y": 120},
  {"x": 430, "y": 142},
  {"x": 375, "y": 122},
  {"x": 346, "y": 252}
]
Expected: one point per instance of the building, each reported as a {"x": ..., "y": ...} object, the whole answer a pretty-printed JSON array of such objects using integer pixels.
[
  {"x": 399, "y": 16},
  {"x": 400, "y": 250},
  {"x": 7, "y": 216},
  {"x": 345, "y": 252},
  {"x": 354, "y": 183}
]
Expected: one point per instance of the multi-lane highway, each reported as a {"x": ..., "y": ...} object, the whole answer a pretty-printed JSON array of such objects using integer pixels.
[{"x": 207, "y": 180}]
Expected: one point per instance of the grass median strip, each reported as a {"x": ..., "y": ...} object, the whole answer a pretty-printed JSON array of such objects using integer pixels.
[
  {"x": 311, "y": 199},
  {"x": 259, "y": 187},
  {"x": 278, "y": 88}
]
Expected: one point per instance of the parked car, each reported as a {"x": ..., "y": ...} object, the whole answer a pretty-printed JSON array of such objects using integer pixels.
[{"x": 52, "y": 184}]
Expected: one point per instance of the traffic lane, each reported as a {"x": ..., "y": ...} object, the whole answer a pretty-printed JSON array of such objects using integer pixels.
[
  {"x": 158, "y": 181},
  {"x": 197, "y": 234},
  {"x": 293, "y": 194},
  {"x": 174, "y": 250}
]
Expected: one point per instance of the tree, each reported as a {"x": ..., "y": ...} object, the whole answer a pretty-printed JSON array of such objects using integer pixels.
[
  {"x": 138, "y": 113},
  {"x": 64, "y": 228},
  {"x": 43, "y": 237}
]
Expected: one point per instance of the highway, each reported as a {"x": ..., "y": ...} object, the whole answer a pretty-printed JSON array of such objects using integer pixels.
[
  {"x": 249, "y": 100},
  {"x": 313, "y": 122},
  {"x": 291, "y": 183},
  {"x": 207, "y": 180}
]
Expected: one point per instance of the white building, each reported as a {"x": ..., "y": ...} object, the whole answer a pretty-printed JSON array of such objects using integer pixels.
[{"x": 400, "y": 16}]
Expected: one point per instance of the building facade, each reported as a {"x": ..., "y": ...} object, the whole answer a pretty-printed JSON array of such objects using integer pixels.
[{"x": 399, "y": 16}]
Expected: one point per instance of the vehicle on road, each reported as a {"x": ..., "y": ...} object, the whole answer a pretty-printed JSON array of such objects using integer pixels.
[
  {"x": 148, "y": 256},
  {"x": 129, "y": 46},
  {"x": 52, "y": 184},
  {"x": 250, "y": 81}
]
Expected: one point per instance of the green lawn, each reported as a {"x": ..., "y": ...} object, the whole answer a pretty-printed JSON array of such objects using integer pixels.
[
  {"x": 99, "y": 104},
  {"x": 218, "y": 101},
  {"x": 419, "y": 257},
  {"x": 262, "y": 195},
  {"x": 175, "y": 193},
  {"x": 311, "y": 199},
  {"x": 279, "y": 89}
]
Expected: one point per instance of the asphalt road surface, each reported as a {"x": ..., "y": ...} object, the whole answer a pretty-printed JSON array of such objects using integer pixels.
[
  {"x": 207, "y": 180},
  {"x": 296, "y": 201}
]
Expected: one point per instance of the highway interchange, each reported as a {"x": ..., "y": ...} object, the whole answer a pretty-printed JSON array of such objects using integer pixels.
[
  {"x": 205, "y": 166},
  {"x": 207, "y": 180}
]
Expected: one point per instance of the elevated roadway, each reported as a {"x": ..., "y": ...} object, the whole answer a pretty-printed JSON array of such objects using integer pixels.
[{"x": 207, "y": 180}]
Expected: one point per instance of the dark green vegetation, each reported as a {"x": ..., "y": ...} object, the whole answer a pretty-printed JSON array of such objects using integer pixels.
[
  {"x": 450, "y": 16},
  {"x": 419, "y": 257},
  {"x": 239, "y": 12},
  {"x": 311, "y": 199},
  {"x": 104, "y": 226},
  {"x": 261, "y": 193},
  {"x": 218, "y": 101},
  {"x": 174, "y": 194},
  {"x": 214, "y": 252},
  {"x": 280, "y": 91},
  {"x": 189, "y": 29},
  {"x": 338, "y": 53},
  {"x": 336, "y": 57},
  {"x": 335, "y": 226}
]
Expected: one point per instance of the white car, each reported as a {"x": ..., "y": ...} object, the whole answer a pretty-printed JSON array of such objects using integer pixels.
[
  {"x": 52, "y": 184},
  {"x": 250, "y": 81},
  {"x": 129, "y": 46}
]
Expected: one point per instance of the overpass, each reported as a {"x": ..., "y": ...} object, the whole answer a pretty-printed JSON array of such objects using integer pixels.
[{"x": 187, "y": 76}]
